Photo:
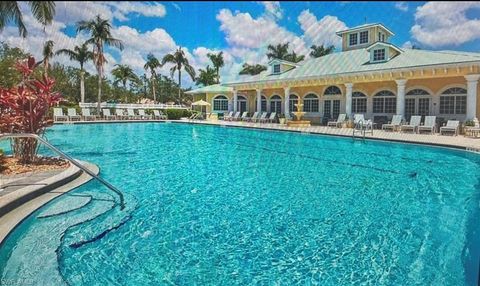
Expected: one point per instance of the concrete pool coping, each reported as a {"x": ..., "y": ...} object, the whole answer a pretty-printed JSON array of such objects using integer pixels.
[{"x": 18, "y": 205}]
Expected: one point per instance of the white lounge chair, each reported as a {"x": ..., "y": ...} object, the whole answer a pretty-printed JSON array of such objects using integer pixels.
[
  {"x": 120, "y": 113},
  {"x": 72, "y": 115},
  {"x": 131, "y": 114},
  {"x": 253, "y": 118},
  {"x": 358, "y": 118},
  {"x": 338, "y": 123},
  {"x": 413, "y": 124},
  {"x": 58, "y": 115},
  {"x": 227, "y": 116},
  {"x": 236, "y": 116},
  {"x": 141, "y": 113},
  {"x": 158, "y": 114},
  {"x": 394, "y": 124},
  {"x": 107, "y": 115},
  {"x": 243, "y": 117},
  {"x": 271, "y": 118},
  {"x": 473, "y": 130},
  {"x": 261, "y": 118},
  {"x": 429, "y": 124},
  {"x": 86, "y": 114},
  {"x": 452, "y": 126},
  {"x": 361, "y": 123}
]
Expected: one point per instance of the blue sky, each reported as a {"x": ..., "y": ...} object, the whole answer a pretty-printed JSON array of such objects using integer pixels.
[{"x": 242, "y": 30}]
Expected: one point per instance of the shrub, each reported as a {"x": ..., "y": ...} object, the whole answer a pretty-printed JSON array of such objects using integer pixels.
[
  {"x": 24, "y": 109},
  {"x": 176, "y": 114}
]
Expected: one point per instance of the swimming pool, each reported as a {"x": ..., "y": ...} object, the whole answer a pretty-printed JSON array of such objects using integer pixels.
[{"x": 212, "y": 205}]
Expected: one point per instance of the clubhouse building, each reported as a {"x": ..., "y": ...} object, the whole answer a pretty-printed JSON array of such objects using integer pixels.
[{"x": 369, "y": 76}]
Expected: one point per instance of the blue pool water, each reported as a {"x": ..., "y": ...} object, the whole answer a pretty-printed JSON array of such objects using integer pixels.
[{"x": 227, "y": 206}]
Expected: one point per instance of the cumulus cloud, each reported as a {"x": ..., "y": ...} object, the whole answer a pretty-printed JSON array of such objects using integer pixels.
[
  {"x": 440, "y": 24},
  {"x": 272, "y": 9},
  {"x": 321, "y": 31},
  {"x": 402, "y": 6}
]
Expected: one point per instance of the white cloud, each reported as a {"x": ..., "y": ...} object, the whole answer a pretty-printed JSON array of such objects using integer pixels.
[
  {"x": 446, "y": 23},
  {"x": 272, "y": 9},
  {"x": 402, "y": 6},
  {"x": 407, "y": 44},
  {"x": 321, "y": 32}
]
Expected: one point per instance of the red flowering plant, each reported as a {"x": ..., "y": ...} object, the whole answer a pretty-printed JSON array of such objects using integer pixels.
[{"x": 24, "y": 108}]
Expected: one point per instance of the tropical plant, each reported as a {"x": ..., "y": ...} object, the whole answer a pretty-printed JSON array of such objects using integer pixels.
[
  {"x": 294, "y": 58},
  {"x": 179, "y": 60},
  {"x": 42, "y": 11},
  {"x": 100, "y": 35},
  {"x": 280, "y": 51},
  {"x": 152, "y": 64},
  {"x": 123, "y": 74},
  {"x": 217, "y": 62},
  {"x": 207, "y": 76},
  {"x": 24, "y": 108},
  {"x": 80, "y": 54},
  {"x": 320, "y": 51},
  {"x": 48, "y": 54},
  {"x": 9, "y": 57},
  {"x": 252, "y": 69}
]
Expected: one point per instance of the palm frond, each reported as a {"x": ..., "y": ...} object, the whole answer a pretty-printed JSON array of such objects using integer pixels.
[
  {"x": 9, "y": 11},
  {"x": 43, "y": 11}
]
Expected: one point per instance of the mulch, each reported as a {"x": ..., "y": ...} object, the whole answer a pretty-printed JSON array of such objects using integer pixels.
[{"x": 12, "y": 166}]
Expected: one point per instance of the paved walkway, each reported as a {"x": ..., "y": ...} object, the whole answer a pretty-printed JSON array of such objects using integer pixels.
[
  {"x": 10, "y": 183},
  {"x": 471, "y": 144}
]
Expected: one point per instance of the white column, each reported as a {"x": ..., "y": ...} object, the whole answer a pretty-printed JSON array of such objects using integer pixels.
[
  {"x": 472, "y": 82},
  {"x": 287, "y": 101},
  {"x": 235, "y": 100},
  {"x": 259, "y": 100},
  {"x": 401, "y": 83},
  {"x": 348, "y": 99}
]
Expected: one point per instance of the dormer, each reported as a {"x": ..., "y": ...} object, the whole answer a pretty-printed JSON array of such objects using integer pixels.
[
  {"x": 382, "y": 52},
  {"x": 278, "y": 66},
  {"x": 364, "y": 35}
]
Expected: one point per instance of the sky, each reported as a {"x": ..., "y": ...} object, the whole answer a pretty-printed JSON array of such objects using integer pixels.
[{"x": 243, "y": 30}]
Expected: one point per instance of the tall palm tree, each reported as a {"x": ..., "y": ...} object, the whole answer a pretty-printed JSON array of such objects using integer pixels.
[
  {"x": 123, "y": 74},
  {"x": 47, "y": 55},
  {"x": 217, "y": 62},
  {"x": 152, "y": 64},
  {"x": 252, "y": 69},
  {"x": 207, "y": 76},
  {"x": 43, "y": 12},
  {"x": 320, "y": 51},
  {"x": 180, "y": 61},
  {"x": 294, "y": 58},
  {"x": 81, "y": 55},
  {"x": 100, "y": 35},
  {"x": 280, "y": 51}
]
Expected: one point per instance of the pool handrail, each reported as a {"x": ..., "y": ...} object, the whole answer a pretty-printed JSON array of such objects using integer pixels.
[{"x": 68, "y": 158}]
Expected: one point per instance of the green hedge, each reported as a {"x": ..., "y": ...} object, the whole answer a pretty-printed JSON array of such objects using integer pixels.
[{"x": 175, "y": 114}]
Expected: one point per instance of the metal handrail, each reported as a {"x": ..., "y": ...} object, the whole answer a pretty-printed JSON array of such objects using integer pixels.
[{"x": 68, "y": 158}]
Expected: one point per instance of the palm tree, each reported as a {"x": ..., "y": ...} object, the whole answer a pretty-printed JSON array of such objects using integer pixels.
[
  {"x": 320, "y": 51},
  {"x": 217, "y": 62},
  {"x": 100, "y": 35},
  {"x": 43, "y": 12},
  {"x": 123, "y": 74},
  {"x": 206, "y": 77},
  {"x": 180, "y": 61},
  {"x": 81, "y": 55},
  {"x": 294, "y": 58},
  {"x": 279, "y": 51},
  {"x": 252, "y": 69},
  {"x": 47, "y": 55},
  {"x": 152, "y": 64}
]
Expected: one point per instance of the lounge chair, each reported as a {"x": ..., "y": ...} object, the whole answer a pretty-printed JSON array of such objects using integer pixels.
[
  {"x": 338, "y": 123},
  {"x": 107, "y": 115},
  {"x": 131, "y": 114},
  {"x": 261, "y": 118},
  {"x": 158, "y": 114},
  {"x": 361, "y": 123},
  {"x": 86, "y": 114},
  {"x": 452, "y": 126},
  {"x": 429, "y": 124},
  {"x": 271, "y": 118},
  {"x": 120, "y": 113},
  {"x": 58, "y": 115},
  {"x": 253, "y": 118},
  {"x": 141, "y": 113},
  {"x": 72, "y": 115},
  {"x": 234, "y": 117},
  {"x": 473, "y": 130},
  {"x": 413, "y": 124},
  {"x": 227, "y": 116},
  {"x": 243, "y": 117},
  {"x": 394, "y": 124}
]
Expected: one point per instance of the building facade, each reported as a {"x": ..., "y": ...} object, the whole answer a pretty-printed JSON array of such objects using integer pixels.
[{"x": 369, "y": 76}]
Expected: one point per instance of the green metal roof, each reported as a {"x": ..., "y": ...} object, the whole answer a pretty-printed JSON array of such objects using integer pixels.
[
  {"x": 215, "y": 88},
  {"x": 358, "y": 61}
]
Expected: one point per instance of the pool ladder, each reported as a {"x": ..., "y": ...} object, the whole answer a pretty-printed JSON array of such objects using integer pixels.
[
  {"x": 68, "y": 158},
  {"x": 361, "y": 128}
]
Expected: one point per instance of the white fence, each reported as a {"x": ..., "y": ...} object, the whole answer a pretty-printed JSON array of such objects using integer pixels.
[{"x": 134, "y": 105}]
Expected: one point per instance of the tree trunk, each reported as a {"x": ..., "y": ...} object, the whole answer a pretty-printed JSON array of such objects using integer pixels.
[
  {"x": 99, "y": 98},
  {"x": 125, "y": 90},
  {"x": 179, "y": 84},
  {"x": 82, "y": 86},
  {"x": 45, "y": 66},
  {"x": 153, "y": 90}
]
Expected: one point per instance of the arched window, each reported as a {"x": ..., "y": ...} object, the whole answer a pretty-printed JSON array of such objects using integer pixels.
[
  {"x": 453, "y": 101},
  {"x": 241, "y": 103},
  {"x": 220, "y": 103},
  {"x": 417, "y": 102},
  {"x": 384, "y": 102},
  {"x": 310, "y": 102},
  {"x": 292, "y": 102},
  {"x": 332, "y": 90},
  {"x": 359, "y": 102},
  {"x": 276, "y": 104},
  {"x": 264, "y": 103}
]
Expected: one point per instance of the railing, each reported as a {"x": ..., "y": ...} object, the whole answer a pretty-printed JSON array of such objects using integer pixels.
[
  {"x": 133, "y": 105},
  {"x": 68, "y": 158}
]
